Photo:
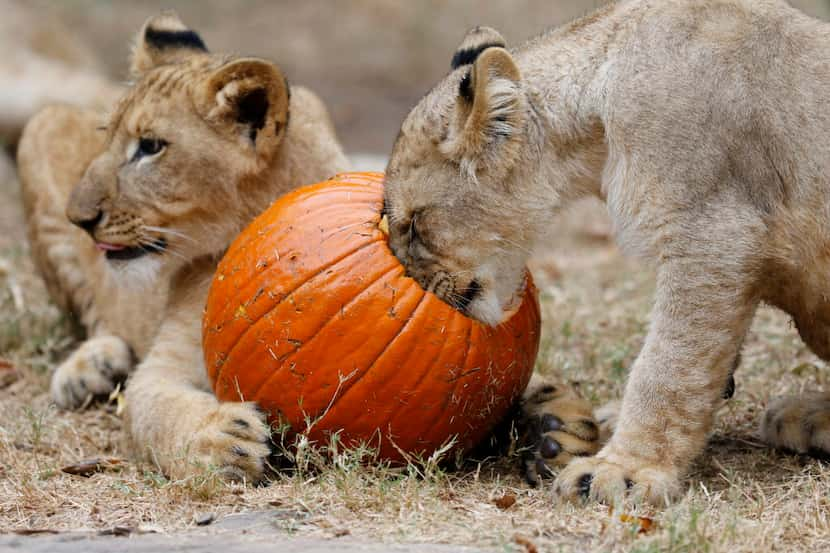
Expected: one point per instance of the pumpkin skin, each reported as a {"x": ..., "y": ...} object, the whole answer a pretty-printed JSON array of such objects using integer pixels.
[{"x": 311, "y": 316}]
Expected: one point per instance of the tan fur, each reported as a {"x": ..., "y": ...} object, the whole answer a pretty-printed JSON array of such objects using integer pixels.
[
  {"x": 44, "y": 62},
  {"x": 702, "y": 124},
  {"x": 233, "y": 141}
]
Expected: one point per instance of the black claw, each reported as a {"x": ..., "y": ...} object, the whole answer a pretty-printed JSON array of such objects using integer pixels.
[
  {"x": 591, "y": 429},
  {"x": 542, "y": 469},
  {"x": 729, "y": 389},
  {"x": 584, "y": 485},
  {"x": 239, "y": 451},
  {"x": 531, "y": 477},
  {"x": 119, "y": 379},
  {"x": 820, "y": 454},
  {"x": 551, "y": 423},
  {"x": 550, "y": 448},
  {"x": 241, "y": 423}
]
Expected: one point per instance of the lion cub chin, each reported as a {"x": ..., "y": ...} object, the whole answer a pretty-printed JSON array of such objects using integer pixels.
[
  {"x": 698, "y": 122},
  {"x": 197, "y": 146}
]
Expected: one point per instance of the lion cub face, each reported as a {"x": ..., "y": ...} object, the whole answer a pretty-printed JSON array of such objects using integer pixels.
[
  {"x": 447, "y": 188},
  {"x": 184, "y": 148}
]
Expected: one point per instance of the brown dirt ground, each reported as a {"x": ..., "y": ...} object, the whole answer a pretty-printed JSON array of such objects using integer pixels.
[{"x": 379, "y": 55}]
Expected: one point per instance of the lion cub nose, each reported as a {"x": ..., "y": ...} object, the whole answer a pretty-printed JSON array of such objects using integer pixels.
[{"x": 86, "y": 220}]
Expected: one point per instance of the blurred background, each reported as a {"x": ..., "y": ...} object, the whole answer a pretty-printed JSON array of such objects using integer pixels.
[{"x": 370, "y": 60}]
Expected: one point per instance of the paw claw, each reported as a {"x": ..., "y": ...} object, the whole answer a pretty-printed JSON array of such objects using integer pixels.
[
  {"x": 583, "y": 486},
  {"x": 236, "y": 438},
  {"x": 551, "y": 423},
  {"x": 600, "y": 479},
  {"x": 91, "y": 372},
  {"x": 800, "y": 424},
  {"x": 550, "y": 448},
  {"x": 555, "y": 426}
]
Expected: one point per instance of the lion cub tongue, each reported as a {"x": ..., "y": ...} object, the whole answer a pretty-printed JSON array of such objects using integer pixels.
[{"x": 106, "y": 247}]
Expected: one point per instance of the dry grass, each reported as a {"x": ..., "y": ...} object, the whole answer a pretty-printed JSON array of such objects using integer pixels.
[{"x": 741, "y": 496}]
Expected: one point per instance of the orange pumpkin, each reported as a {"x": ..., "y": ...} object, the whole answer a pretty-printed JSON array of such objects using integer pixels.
[{"x": 311, "y": 315}]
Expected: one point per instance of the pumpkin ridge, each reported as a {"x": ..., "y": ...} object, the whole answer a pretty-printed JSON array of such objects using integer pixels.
[
  {"x": 299, "y": 285},
  {"x": 436, "y": 355},
  {"x": 448, "y": 396},
  {"x": 241, "y": 288},
  {"x": 414, "y": 388},
  {"x": 319, "y": 330},
  {"x": 385, "y": 348}
]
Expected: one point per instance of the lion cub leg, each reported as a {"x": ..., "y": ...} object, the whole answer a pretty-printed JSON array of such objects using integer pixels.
[
  {"x": 704, "y": 304},
  {"x": 173, "y": 419},
  {"x": 556, "y": 425},
  {"x": 55, "y": 149}
]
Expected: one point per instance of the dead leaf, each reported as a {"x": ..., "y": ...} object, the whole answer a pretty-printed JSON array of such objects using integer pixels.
[
  {"x": 505, "y": 501},
  {"x": 529, "y": 546},
  {"x": 644, "y": 524},
  {"x": 8, "y": 374},
  {"x": 88, "y": 467}
]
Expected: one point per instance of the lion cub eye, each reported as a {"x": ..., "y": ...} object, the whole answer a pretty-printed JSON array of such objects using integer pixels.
[{"x": 149, "y": 147}]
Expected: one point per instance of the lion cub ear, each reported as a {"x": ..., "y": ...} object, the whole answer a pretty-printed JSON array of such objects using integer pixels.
[
  {"x": 486, "y": 131},
  {"x": 247, "y": 99},
  {"x": 163, "y": 39}
]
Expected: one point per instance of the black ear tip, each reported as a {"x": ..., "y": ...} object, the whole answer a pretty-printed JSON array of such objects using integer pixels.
[
  {"x": 470, "y": 55},
  {"x": 162, "y": 39}
]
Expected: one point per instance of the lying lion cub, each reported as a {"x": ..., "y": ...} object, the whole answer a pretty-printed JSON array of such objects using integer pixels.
[
  {"x": 704, "y": 126},
  {"x": 197, "y": 146}
]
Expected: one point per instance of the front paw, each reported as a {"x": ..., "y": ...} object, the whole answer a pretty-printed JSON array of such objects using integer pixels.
[
  {"x": 235, "y": 440},
  {"x": 555, "y": 426},
  {"x": 800, "y": 424},
  {"x": 610, "y": 478},
  {"x": 92, "y": 371}
]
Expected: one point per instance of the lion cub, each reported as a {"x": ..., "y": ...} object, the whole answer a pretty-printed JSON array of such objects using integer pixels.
[
  {"x": 703, "y": 125},
  {"x": 196, "y": 147}
]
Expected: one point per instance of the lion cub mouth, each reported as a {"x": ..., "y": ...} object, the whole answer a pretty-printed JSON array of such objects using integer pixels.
[{"x": 118, "y": 252}]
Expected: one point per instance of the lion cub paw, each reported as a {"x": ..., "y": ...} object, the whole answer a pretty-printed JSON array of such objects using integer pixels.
[
  {"x": 91, "y": 371},
  {"x": 800, "y": 424},
  {"x": 555, "y": 426},
  {"x": 235, "y": 439},
  {"x": 613, "y": 478}
]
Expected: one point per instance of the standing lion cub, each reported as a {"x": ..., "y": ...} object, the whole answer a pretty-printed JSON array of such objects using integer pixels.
[
  {"x": 196, "y": 147},
  {"x": 704, "y": 126}
]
